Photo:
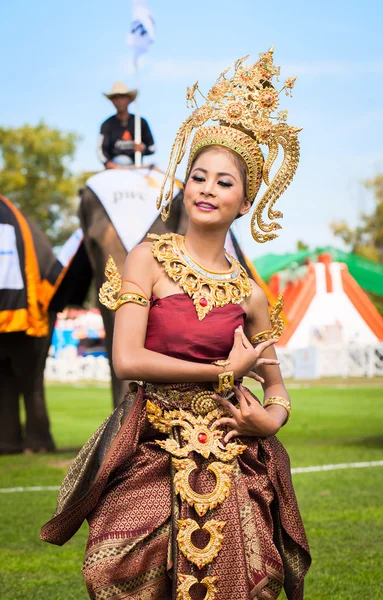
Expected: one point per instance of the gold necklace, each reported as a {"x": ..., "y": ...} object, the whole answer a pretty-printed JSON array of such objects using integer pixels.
[{"x": 207, "y": 288}]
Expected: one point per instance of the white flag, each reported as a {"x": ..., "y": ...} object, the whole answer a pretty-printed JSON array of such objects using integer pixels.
[{"x": 142, "y": 30}]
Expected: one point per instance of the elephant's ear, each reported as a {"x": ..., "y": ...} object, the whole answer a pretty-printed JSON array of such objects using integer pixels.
[{"x": 111, "y": 287}]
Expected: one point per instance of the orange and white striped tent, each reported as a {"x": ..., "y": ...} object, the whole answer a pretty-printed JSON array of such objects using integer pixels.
[{"x": 327, "y": 305}]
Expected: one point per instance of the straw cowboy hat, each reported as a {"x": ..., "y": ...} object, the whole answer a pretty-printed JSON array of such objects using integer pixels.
[{"x": 120, "y": 88}]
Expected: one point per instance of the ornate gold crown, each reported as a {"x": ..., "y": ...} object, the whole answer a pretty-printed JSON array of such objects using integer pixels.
[{"x": 243, "y": 106}]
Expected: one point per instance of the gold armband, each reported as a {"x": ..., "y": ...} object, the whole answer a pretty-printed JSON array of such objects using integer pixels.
[
  {"x": 130, "y": 297},
  {"x": 262, "y": 336},
  {"x": 281, "y": 401},
  {"x": 277, "y": 324}
]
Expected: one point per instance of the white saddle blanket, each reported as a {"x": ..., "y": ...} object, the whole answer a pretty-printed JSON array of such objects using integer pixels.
[
  {"x": 70, "y": 248},
  {"x": 10, "y": 273},
  {"x": 129, "y": 198}
]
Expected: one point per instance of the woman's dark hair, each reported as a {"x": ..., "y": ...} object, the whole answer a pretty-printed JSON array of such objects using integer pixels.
[{"x": 237, "y": 160}]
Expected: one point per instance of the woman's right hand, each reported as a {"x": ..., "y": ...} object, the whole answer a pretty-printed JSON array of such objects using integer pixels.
[{"x": 244, "y": 357}]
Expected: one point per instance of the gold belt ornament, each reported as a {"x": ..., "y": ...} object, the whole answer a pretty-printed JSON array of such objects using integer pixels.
[
  {"x": 203, "y": 403},
  {"x": 200, "y": 556},
  {"x": 185, "y": 582},
  {"x": 202, "y": 502},
  {"x": 200, "y": 403},
  {"x": 200, "y": 435},
  {"x": 195, "y": 431}
]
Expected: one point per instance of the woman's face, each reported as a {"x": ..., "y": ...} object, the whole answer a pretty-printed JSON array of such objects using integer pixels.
[{"x": 214, "y": 192}]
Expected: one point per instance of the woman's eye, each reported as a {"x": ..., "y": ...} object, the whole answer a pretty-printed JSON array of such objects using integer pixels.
[
  {"x": 225, "y": 183},
  {"x": 197, "y": 178}
]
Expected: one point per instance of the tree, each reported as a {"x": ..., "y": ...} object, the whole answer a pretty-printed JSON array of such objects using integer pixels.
[
  {"x": 367, "y": 238},
  {"x": 35, "y": 176},
  {"x": 301, "y": 245}
]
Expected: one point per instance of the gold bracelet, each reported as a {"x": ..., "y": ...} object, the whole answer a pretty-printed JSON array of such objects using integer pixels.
[
  {"x": 225, "y": 382},
  {"x": 221, "y": 363},
  {"x": 281, "y": 401},
  {"x": 130, "y": 297}
]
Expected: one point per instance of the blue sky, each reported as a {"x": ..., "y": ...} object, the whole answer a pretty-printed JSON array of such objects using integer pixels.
[{"x": 56, "y": 59}]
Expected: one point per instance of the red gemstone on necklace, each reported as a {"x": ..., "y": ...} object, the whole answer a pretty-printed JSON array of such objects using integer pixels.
[
  {"x": 203, "y": 302},
  {"x": 202, "y": 437}
]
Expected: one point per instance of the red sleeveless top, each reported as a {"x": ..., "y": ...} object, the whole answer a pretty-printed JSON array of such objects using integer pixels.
[{"x": 174, "y": 329}]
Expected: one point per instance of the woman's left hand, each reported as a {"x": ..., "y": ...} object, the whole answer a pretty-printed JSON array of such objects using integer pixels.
[{"x": 248, "y": 418}]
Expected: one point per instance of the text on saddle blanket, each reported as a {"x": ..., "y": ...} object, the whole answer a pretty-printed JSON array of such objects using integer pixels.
[{"x": 129, "y": 197}]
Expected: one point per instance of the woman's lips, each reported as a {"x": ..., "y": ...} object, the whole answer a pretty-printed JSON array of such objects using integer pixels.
[{"x": 206, "y": 206}]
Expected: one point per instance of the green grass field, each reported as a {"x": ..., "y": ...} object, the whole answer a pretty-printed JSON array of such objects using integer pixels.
[{"x": 342, "y": 509}]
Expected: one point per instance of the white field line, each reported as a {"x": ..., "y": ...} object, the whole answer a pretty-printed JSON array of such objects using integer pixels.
[
  {"x": 296, "y": 470},
  {"x": 356, "y": 465},
  {"x": 37, "y": 488}
]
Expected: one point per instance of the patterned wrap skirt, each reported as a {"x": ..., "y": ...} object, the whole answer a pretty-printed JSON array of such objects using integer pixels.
[{"x": 175, "y": 514}]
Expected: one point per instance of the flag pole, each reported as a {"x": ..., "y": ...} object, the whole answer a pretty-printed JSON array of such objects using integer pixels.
[
  {"x": 137, "y": 122},
  {"x": 141, "y": 35}
]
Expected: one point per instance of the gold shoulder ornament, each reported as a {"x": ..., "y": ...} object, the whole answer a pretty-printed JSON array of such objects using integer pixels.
[
  {"x": 242, "y": 109},
  {"x": 207, "y": 288},
  {"x": 108, "y": 294},
  {"x": 276, "y": 321}
]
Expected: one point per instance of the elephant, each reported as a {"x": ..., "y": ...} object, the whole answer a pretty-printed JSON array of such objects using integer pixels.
[
  {"x": 22, "y": 362},
  {"x": 101, "y": 240},
  {"x": 23, "y": 357}
]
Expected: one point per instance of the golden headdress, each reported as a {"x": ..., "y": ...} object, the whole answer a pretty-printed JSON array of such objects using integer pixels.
[{"x": 242, "y": 108}]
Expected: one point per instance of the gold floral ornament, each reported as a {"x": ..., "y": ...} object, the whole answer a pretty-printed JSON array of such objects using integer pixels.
[
  {"x": 242, "y": 108},
  {"x": 185, "y": 582},
  {"x": 200, "y": 556},
  {"x": 276, "y": 321},
  {"x": 190, "y": 95},
  {"x": 202, "y": 502},
  {"x": 196, "y": 431},
  {"x": 207, "y": 288}
]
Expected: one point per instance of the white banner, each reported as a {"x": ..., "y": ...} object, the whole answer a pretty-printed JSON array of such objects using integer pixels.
[{"x": 142, "y": 29}]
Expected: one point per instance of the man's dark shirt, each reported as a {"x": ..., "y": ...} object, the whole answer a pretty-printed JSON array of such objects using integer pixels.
[{"x": 116, "y": 139}]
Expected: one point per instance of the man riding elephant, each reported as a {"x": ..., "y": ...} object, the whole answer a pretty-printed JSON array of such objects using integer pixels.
[{"x": 116, "y": 144}]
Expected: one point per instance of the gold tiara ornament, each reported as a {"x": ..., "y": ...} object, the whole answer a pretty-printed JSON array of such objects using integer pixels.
[{"x": 242, "y": 109}]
